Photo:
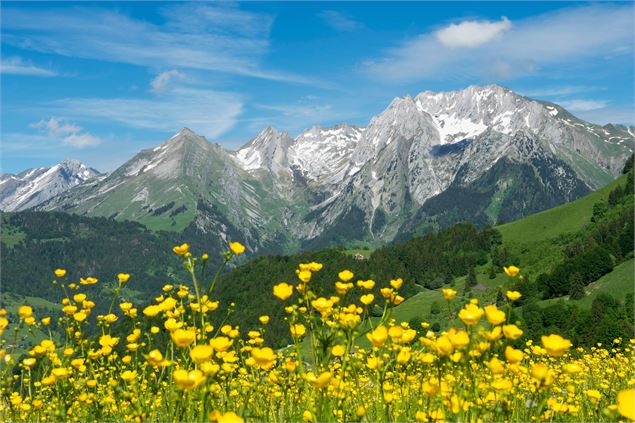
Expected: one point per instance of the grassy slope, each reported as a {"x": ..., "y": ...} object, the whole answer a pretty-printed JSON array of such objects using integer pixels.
[
  {"x": 552, "y": 223},
  {"x": 617, "y": 283},
  {"x": 536, "y": 241}
]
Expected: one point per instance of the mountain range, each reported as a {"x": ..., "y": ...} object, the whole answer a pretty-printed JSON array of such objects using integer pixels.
[
  {"x": 483, "y": 154},
  {"x": 32, "y": 187}
]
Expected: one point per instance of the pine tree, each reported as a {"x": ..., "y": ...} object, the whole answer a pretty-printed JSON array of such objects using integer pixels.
[
  {"x": 492, "y": 272},
  {"x": 471, "y": 278},
  {"x": 576, "y": 283}
]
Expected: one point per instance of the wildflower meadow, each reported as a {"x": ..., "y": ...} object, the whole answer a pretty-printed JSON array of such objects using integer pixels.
[{"x": 177, "y": 358}]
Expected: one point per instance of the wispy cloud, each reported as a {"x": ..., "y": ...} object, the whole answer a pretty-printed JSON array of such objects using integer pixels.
[
  {"x": 67, "y": 133},
  {"x": 580, "y": 105},
  {"x": 196, "y": 36},
  {"x": 16, "y": 66},
  {"x": 609, "y": 114},
  {"x": 517, "y": 48},
  {"x": 205, "y": 111},
  {"x": 340, "y": 21},
  {"x": 559, "y": 91},
  {"x": 472, "y": 33},
  {"x": 162, "y": 80}
]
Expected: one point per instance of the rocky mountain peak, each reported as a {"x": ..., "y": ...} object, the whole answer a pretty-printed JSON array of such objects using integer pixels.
[
  {"x": 34, "y": 186},
  {"x": 267, "y": 150}
]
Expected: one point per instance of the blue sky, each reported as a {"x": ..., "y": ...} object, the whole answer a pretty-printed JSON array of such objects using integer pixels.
[{"x": 101, "y": 81}]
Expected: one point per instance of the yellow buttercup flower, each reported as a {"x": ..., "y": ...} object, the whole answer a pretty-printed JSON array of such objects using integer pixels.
[
  {"x": 283, "y": 291},
  {"x": 338, "y": 350},
  {"x": 443, "y": 345},
  {"x": 88, "y": 281},
  {"x": 345, "y": 275},
  {"x": 449, "y": 293},
  {"x": 378, "y": 336},
  {"x": 404, "y": 356},
  {"x": 513, "y": 295},
  {"x": 458, "y": 338},
  {"x": 322, "y": 305},
  {"x": 555, "y": 344},
  {"x": 367, "y": 299},
  {"x": 25, "y": 311},
  {"x": 236, "y": 247},
  {"x": 264, "y": 357},
  {"x": 541, "y": 373},
  {"x": 60, "y": 273},
  {"x": 229, "y": 417},
  {"x": 318, "y": 381},
  {"x": 152, "y": 310},
  {"x": 513, "y": 355},
  {"x": 387, "y": 292},
  {"x": 471, "y": 314},
  {"x": 369, "y": 284},
  {"x": 626, "y": 404},
  {"x": 511, "y": 271},
  {"x": 264, "y": 319},
  {"x": 496, "y": 366},
  {"x": 79, "y": 298},
  {"x": 494, "y": 315},
  {"x": 183, "y": 337},
  {"x": 155, "y": 358},
  {"x": 201, "y": 353},
  {"x": 396, "y": 283},
  {"x": 129, "y": 375},
  {"x": 221, "y": 343},
  {"x": 304, "y": 275},
  {"x": 182, "y": 249},
  {"x": 29, "y": 362},
  {"x": 171, "y": 324},
  {"x": 297, "y": 330},
  {"x": 188, "y": 380},
  {"x": 512, "y": 332},
  {"x": 502, "y": 385},
  {"x": 123, "y": 277}
]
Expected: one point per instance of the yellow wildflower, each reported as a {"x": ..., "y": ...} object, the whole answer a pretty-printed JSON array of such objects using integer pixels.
[
  {"x": 236, "y": 247},
  {"x": 511, "y": 271},
  {"x": 555, "y": 344},
  {"x": 182, "y": 249},
  {"x": 283, "y": 291}
]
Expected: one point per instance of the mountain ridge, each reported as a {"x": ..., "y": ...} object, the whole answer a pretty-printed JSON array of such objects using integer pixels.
[
  {"x": 378, "y": 181},
  {"x": 32, "y": 187}
]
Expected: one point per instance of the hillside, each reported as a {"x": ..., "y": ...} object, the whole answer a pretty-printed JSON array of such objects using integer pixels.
[{"x": 34, "y": 243}]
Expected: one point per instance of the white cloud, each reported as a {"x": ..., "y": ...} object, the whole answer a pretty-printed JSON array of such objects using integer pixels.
[
  {"x": 567, "y": 36},
  {"x": 67, "y": 133},
  {"x": 162, "y": 80},
  {"x": 56, "y": 127},
  {"x": 207, "y": 112},
  {"x": 579, "y": 105},
  {"x": 16, "y": 66},
  {"x": 81, "y": 140},
  {"x": 192, "y": 36},
  {"x": 472, "y": 33},
  {"x": 339, "y": 21}
]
